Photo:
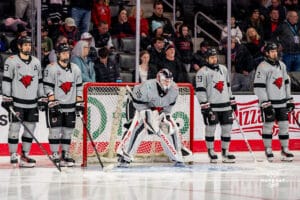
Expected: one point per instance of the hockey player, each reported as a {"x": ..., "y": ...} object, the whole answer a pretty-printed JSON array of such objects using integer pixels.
[
  {"x": 216, "y": 101},
  {"x": 272, "y": 87},
  {"x": 23, "y": 92},
  {"x": 63, "y": 86},
  {"x": 153, "y": 101}
]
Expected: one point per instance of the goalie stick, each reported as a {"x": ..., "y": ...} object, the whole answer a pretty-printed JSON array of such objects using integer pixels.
[
  {"x": 35, "y": 139},
  {"x": 91, "y": 139}
]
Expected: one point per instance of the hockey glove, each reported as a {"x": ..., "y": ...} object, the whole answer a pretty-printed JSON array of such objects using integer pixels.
[
  {"x": 42, "y": 103},
  {"x": 206, "y": 112},
  {"x": 7, "y": 102},
  {"x": 79, "y": 107},
  {"x": 290, "y": 105},
  {"x": 233, "y": 104},
  {"x": 54, "y": 108},
  {"x": 267, "y": 108}
]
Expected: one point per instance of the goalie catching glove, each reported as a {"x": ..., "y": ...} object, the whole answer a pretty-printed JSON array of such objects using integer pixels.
[
  {"x": 79, "y": 107},
  {"x": 7, "y": 102}
]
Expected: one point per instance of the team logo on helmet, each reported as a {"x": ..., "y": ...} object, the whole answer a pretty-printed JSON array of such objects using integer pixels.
[
  {"x": 219, "y": 86},
  {"x": 278, "y": 82},
  {"x": 66, "y": 87},
  {"x": 26, "y": 80}
]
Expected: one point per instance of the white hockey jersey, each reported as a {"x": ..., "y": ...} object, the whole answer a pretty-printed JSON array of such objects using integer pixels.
[
  {"x": 64, "y": 83},
  {"x": 272, "y": 83},
  {"x": 23, "y": 81},
  {"x": 148, "y": 95},
  {"x": 213, "y": 86}
]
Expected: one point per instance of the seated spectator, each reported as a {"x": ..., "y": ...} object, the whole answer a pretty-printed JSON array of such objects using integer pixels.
[
  {"x": 100, "y": 12},
  {"x": 156, "y": 51},
  {"x": 277, "y": 5},
  {"x": 14, "y": 43},
  {"x": 102, "y": 36},
  {"x": 235, "y": 31},
  {"x": 146, "y": 70},
  {"x": 80, "y": 58},
  {"x": 69, "y": 30},
  {"x": 93, "y": 55},
  {"x": 184, "y": 45},
  {"x": 106, "y": 70},
  {"x": 242, "y": 65},
  {"x": 157, "y": 15},
  {"x": 255, "y": 45},
  {"x": 177, "y": 26},
  {"x": 4, "y": 45},
  {"x": 271, "y": 24},
  {"x": 144, "y": 27},
  {"x": 47, "y": 46},
  {"x": 158, "y": 31},
  {"x": 199, "y": 57},
  {"x": 120, "y": 27},
  {"x": 254, "y": 21},
  {"x": 173, "y": 64}
]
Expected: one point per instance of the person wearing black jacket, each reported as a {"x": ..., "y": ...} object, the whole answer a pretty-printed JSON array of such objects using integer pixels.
[{"x": 106, "y": 70}]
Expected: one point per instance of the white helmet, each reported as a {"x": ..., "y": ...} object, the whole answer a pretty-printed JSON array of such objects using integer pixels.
[{"x": 164, "y": 79}]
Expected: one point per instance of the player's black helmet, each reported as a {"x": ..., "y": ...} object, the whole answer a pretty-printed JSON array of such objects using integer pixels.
[
  {"x": 211, "y": 52},
  {"x": 62, "y": 48},
  {"x": 24, "y": 39},
  {"x": 270, "y": 46}
]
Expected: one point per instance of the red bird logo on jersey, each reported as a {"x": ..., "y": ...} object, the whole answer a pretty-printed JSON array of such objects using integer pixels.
[
  {"x": 26, "y": 80},
  {"x": 66, "y": 87},
  {"x": 278, "y": 82},
  {"x": 219, "y": 86}
]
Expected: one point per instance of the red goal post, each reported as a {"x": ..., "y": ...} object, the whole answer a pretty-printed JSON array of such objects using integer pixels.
[{"x": 105, "y": 115}]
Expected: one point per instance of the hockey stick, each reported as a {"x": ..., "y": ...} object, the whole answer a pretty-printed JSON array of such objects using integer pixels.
[
  {"x": 246, "y": 140},
  {"x": 91, "y": 139},
  {"x": 35, "y": 139}
]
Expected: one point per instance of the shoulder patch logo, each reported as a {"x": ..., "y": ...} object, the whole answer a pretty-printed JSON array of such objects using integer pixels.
[
  {"x": 219, "y": 86},
  {"x": 66, "y": 87},
  {"x": 278, "y": 82},
  {"x": 26, "y": 80}
]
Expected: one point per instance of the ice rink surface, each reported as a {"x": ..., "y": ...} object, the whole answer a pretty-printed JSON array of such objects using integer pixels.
[{"x": 156, "y": 181}]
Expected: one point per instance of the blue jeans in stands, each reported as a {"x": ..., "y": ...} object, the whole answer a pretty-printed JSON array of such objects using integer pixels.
[
  {"x": 292, "y": 61},
  {"x": 82, "y": 19}
]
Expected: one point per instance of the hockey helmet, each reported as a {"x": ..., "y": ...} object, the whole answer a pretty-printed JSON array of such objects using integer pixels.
[
  {"x": 24, "y": 39},
  {"x": 62, "y": 48},
  {"x": 211, "y": 52},
  {"x": 164, "y": 78},
  {"x": 270, "y": 46}
]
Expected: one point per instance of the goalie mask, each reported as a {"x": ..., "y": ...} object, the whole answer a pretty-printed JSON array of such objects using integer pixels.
[
  {"x": 25, "y": 45},
  {"x": 164, "y": 79}
]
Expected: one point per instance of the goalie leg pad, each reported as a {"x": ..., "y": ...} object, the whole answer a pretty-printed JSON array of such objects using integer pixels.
[
  {"x": 13, "y": 136},
  {"x": 151, "y": 119}
]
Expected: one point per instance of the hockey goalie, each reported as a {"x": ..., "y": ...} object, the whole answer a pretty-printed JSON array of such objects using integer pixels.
[{"x": 153, "y": 101}]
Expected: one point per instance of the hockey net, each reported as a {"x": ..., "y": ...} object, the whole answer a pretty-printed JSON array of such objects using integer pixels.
[{"x": 105, "y": 115}]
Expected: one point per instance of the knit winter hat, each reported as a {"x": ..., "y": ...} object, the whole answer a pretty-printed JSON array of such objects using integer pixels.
[{"x": 156, "y": 25}]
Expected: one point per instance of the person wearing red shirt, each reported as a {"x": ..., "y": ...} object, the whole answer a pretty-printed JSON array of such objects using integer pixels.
[{"x": 101, "y": 12}]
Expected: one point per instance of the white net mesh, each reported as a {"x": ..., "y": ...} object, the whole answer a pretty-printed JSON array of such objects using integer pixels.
[{"x": 106, "y": 116}]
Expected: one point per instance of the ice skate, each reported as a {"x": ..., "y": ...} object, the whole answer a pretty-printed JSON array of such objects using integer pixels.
[
  {"x": 26, "y": 161},
  {"x": 187, "y": 155},
  {"x": 179, "y": 164},
  {"x": 66, "y": 160},
  {"x": 227, "y": 157},
  {"x": 212, "y": 156},
  {"x": 55, "y": 157},
  {"x": 14, "y": 159},
  {"x": 286, "y": 155},
  {"x": 269, "y": 154}
]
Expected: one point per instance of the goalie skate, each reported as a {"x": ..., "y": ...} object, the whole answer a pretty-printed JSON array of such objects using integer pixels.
[
  {"x": 66, "y": 160},
  {"x": 286, "y": 155},
  {"x": 179, "y": 164},
  {"x": 187, "y": 154},
  {"x": 227, "y": 157},
  {"x": 26, "y": 161}
]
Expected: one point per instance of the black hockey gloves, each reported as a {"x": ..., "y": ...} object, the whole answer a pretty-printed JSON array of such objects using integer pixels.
[
  {"x": 54, "y": 108},
  {"x": 268, "y": 108},
  {"x": 233, "y": 104},
  {"x": 79, "y": 107},
  {"x": 7, "y": 102},
  {"x": 290, "y": 105},
  {"x": 42, "y": 103}
]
